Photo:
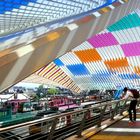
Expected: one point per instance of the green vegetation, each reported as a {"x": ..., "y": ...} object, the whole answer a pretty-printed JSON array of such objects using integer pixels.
[
  {"x": 53, "y": 91},
  {"x": 41, "y": 92}
]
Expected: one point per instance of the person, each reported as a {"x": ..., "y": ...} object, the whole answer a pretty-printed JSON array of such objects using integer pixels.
[{"x": 130, "y": 95}]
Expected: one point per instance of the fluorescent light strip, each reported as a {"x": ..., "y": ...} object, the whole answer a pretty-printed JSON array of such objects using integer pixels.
[
  {"x": 127, "y": 119},
  {"x": 128, "y": 130}
]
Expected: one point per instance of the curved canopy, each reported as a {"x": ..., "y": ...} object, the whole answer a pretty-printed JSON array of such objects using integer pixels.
[
  {"x": 19, "y": 61},
  {"x": 108, "y": 60},
  {"x": 24, "y": 21},
  {"x": 17, "y": 15}
]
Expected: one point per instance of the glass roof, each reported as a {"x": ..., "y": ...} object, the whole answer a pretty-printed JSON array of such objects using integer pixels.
[{"x": 18, "y": 15}]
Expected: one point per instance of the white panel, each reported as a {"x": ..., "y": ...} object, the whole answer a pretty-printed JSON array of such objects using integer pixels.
[
  {"x": 94, "y": 67},
  {"x": 66, "y": 70},
  {"x": 83, "y": 46},
  {"x": 127, "y": 35},
  {"x": 70, "y": 59},
  {"x": 134, "y": 61},
  {"x": 111, "y": 52}
]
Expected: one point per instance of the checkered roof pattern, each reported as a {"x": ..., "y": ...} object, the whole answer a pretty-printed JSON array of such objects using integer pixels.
[{"x": 110, "y": 59}]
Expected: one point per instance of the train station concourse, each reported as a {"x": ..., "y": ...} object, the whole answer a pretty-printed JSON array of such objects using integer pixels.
[{"x": 80, "y": 56}]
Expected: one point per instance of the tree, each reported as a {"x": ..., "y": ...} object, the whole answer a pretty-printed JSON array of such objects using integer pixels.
[
  {"x": 34, "y": 98},
  {"x": 41, "y": 91},
  {"x": 53, "y": 91}
]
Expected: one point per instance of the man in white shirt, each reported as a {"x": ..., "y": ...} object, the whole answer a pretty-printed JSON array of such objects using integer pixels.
[{"x": 133, "y": 103}]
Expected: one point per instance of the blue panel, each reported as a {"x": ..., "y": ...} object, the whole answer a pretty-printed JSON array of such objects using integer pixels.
[
  {"x": 8, "y": 1},
  {"x": 16, "y": 6},
  {"x": 58, "y": 62},
  {"x": 124, "y": 76},
  {"x": 2, "y": 3},
  {"x": 17, "y": 1},
  {"x": 135, "y": 76},
  {"x": 129, "y": 76},
  {"x": 9, "y": 5},
  {"x": 33, "y": 0},
  {"x": 78, "y": 69},
  {"x": 1, "y": 12},
  {"x": 117, "y": 94},
  {"x": 104, "y": 73},
  {"x": 110, "y": 1},
  {"x": 1, "y": 8},
  {"x": 8, "y": 9},
  {"x": 24, "y": 3},
  {"x": 100, "y": 79}
]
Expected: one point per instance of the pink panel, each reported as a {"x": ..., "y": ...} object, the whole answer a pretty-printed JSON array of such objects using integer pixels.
[
  {"x": 102, "y": 40},
  {"x": 131, "y": 49}
]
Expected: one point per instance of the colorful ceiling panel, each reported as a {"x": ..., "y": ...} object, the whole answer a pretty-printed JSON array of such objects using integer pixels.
[
  {"x": 131, "y": 49},
  {"x": 87, "y": 55},
  {"x": 137, "y": 70},
  {"x": 102, "y": 40},
  {"x": 132, "y": 21},
  {"x": 78, "y": 69},
  {"x": 108, "y": 60},
  {"x": 117, "y": 63},
  {"x": 56, "y": 74}
]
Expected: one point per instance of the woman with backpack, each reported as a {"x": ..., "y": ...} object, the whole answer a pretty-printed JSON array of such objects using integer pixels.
[{"x": 133, "y": 95}]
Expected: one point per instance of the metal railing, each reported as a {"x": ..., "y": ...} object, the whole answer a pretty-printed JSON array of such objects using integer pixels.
[{"x": 66, "y": 124}]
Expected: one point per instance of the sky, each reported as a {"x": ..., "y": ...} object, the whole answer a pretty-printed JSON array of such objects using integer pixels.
[{"x": 27, "y": 85}]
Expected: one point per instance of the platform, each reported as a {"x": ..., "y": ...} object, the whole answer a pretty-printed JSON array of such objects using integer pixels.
[
  {"x": 120, "y": 131},
  {"x": 117, "y": 130}
]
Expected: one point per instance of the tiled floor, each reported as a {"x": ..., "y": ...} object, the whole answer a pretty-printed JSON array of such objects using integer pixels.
[{"x": 122, "y": 130}]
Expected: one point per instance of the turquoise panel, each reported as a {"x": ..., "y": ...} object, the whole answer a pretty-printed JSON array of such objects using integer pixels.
[{"x": 130, "y": 21}]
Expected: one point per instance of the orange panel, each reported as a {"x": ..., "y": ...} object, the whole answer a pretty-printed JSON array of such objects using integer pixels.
[
  {"x": 105, "y": 10},
  {"x": 116, "y": 63},
  {"x": 85, "y": 19},
  {"x": 88, "y": 55},
  {"x": 137, "y": 70},
  {"x": 52, "y": 36},
  {"x": 125, "y": 0}
]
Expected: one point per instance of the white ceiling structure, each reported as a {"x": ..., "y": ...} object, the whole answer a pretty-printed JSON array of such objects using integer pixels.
[
  {"x": 16, "y": 15},
  {"x": 106, "y": 60},
  {"x": 23, "y": 21}
]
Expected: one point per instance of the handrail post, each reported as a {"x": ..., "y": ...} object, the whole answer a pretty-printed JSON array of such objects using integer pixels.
[
  {"x": 50, "y": 137},
  {"x": 81, "y": 125},
  {"x": 138, "y": 102},
  {"x": 114, "y": 110},
  {"x": 101, "y": 115},
  {"x": 123, "y": 107}
]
